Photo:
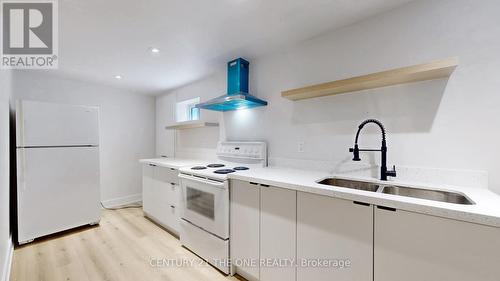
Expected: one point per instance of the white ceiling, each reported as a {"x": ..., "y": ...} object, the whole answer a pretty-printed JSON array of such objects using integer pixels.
[{"x": 99, "y": 39}]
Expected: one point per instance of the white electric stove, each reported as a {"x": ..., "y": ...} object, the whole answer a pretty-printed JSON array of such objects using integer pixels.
[{"x": 205, "y": 199}]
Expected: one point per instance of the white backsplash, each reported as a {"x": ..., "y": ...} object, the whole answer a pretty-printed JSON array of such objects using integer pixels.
[{"x": 197, "y": 154}]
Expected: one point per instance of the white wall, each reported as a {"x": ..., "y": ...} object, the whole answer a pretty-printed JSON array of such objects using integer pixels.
[
  {"x": 191, "y": 143},
  {"x": 439, "y": 124},
  {"x": 165, "y": 107},
  {"x": 5, "y": 231},
  {"x": 127, "y": 123}
]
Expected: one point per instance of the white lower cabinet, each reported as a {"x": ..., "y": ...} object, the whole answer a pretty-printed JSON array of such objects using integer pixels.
[
  {"x": 161, "y": 195},
  {"x": 277, "y": 234},
  {"x": 354, "y": 241},
  {"x": 336, "y": 233},
  {"x": 416, "y": 247},
  {"x": 263, "y": 231},
  {"x": 150, "y": 190},
  {"x": 245, "y": 229}
]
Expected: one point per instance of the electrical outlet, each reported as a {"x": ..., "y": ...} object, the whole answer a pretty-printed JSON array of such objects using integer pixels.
[{"x": 300, "y": 146}]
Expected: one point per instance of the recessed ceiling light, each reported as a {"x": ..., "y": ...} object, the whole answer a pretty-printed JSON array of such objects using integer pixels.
[
  {"x": 118, "y": 77},
  {"x": 154, "y": 50}
]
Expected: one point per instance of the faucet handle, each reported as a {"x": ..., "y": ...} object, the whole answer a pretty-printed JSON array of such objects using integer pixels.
[
  {"x": 392, "y": 173},
  {"x": 355, "y": 152}
]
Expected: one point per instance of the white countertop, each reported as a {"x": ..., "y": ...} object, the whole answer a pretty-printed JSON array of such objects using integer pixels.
[
  {"x": 486, "y": 209},
  {"x": 174, "y": 163}
]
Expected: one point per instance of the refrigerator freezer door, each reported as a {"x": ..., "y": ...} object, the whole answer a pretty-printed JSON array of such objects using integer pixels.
[
  {"x": 50, "y": 124},
  {"x": 58, "y": 189}
]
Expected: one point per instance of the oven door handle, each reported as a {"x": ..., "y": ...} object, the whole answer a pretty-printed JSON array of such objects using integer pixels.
[{"x": 204, "y": 181}]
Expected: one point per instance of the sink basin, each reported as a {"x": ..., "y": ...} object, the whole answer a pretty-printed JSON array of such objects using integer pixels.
[
  {"x": 421, "y": 193},
  {"x": 429, "y": 194},
  {"x": 360, "y": 185}
]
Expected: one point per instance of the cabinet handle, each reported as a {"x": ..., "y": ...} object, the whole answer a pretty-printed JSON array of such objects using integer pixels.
[
  {"x": 172, "y": 183},
  {"x": 261, "y": 184},
  {"x": 172, "y": 169},
  {"x": 360, "y": 203},
  {"x": 386, "y": 208},
  {"x": 172, "y": 206},
  {"x": 152, "y": 165}
]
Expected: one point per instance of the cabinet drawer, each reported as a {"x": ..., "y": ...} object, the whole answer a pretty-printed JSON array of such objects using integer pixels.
[
  {"x": 169, "y": 192},
  {"x": 166, "y": 215},
  {"x": 167, "y": 175},
  {"x": 172, "y": 218},
  {"x": 173, "y": 194}
]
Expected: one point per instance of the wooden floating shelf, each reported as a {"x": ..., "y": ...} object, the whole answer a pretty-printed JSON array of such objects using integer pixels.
[
  {"x": 191, "y": 125},
  {"x": 428, "y": 71}
]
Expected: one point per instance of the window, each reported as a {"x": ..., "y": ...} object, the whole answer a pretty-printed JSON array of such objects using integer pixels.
[{"x": 186, "y": 110}]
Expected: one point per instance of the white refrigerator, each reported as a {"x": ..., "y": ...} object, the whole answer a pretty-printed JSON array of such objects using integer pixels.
[{"x": 57, "y": 168}]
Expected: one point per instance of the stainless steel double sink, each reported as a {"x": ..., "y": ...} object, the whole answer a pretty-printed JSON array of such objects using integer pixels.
[{"x": 399, "y": 190}]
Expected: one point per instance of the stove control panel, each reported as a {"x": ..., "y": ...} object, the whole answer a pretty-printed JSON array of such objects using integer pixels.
[{"x": 251, "y": 150}]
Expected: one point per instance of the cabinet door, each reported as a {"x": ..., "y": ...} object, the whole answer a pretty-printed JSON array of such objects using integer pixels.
[
  {"x": 335, "y": 231},
  {"x": 148, "y": 188},
  {"x": 277, "y": 233},
  {"x": 416, "y": 247},
  {"x": 245, "y": 228}
]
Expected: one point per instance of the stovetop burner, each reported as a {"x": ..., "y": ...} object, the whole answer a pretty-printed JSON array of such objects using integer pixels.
[
  {"x": 240, "y": 168},
  {"x": 215, "y": 165},
  {"x": 198, "y": 168},
  {"x": 224, "y": 171}
]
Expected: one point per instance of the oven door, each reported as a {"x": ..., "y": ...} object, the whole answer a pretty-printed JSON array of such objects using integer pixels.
[{"x": 205, "y": 203}]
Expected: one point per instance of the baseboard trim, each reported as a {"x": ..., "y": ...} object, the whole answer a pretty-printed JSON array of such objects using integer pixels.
[
  {"x": 120, "y": 201},
  {"x": 8, "y": 261}
]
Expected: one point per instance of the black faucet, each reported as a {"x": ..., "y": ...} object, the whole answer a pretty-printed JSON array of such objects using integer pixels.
[{"x": 383, "y": 168}]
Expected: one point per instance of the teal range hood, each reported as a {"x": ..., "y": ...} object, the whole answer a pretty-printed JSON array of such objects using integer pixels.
[{"x": 237, "y": 90}]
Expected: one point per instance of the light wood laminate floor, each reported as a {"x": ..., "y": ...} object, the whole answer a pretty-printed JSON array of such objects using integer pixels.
[{"x": 121, "y": 249}]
